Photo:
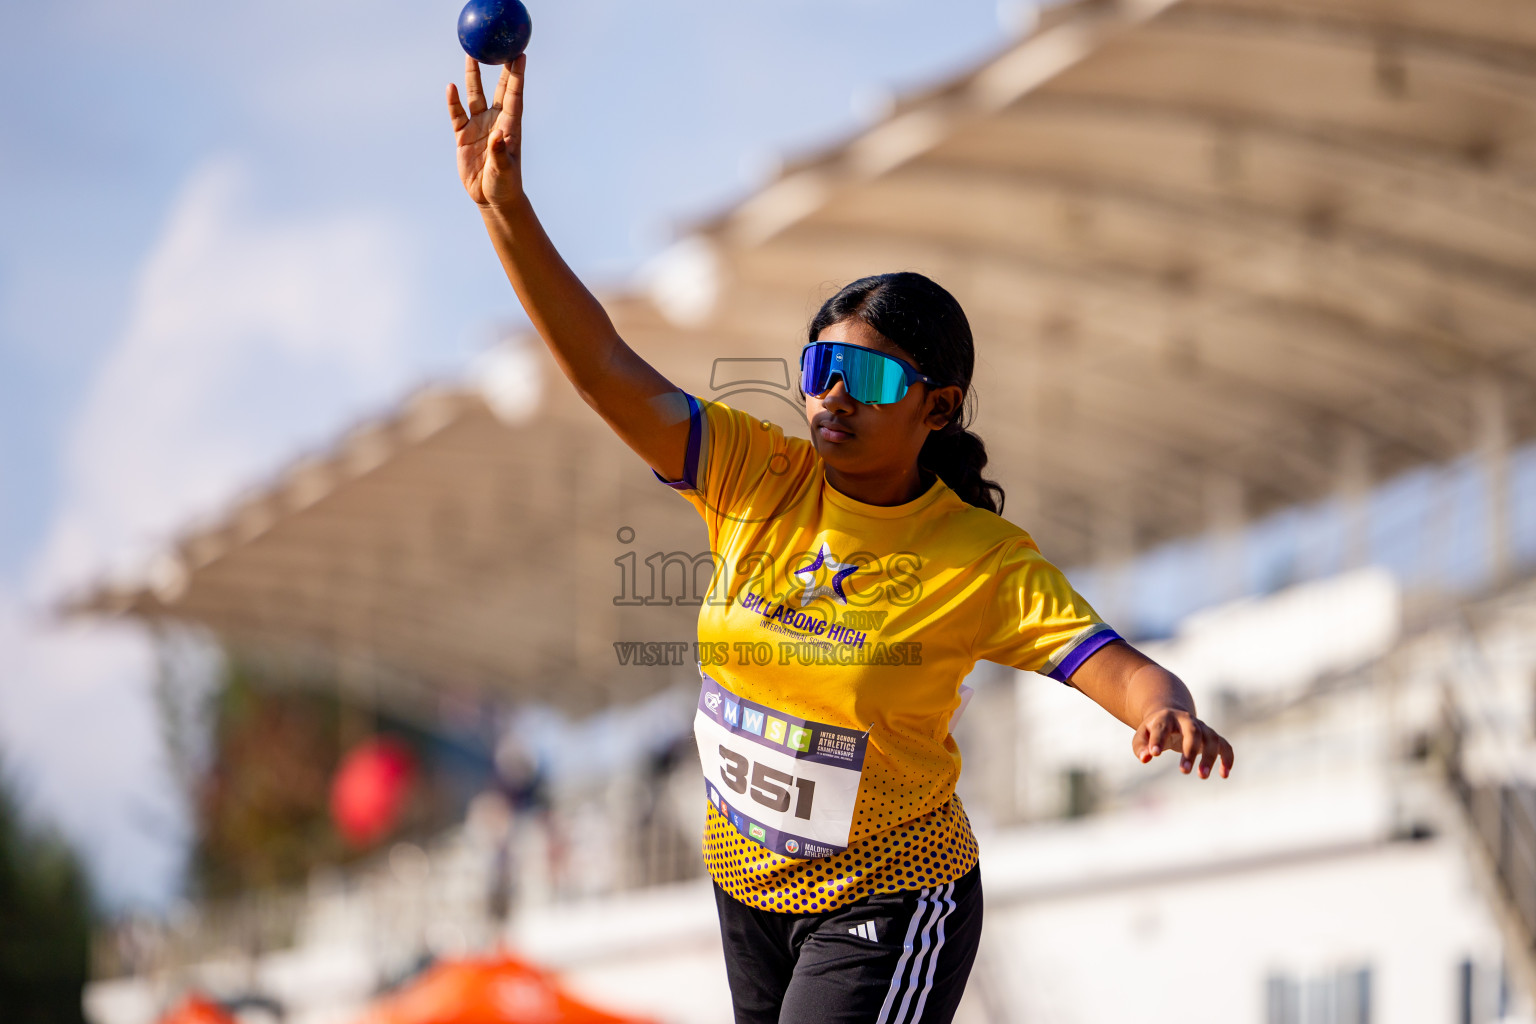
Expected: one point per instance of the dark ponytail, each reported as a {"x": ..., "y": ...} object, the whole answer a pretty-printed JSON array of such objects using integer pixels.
[{"x": 924, "y": 321}]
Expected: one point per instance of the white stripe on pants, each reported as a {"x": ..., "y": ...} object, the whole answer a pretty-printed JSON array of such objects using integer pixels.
[{"x": 904, "y": 984}]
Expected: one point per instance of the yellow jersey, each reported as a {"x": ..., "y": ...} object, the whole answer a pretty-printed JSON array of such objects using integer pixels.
[{"x": 866, "y": 618}]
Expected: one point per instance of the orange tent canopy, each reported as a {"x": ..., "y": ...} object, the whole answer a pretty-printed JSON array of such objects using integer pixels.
[
  {"x": 196, "y": 1009},
  {"x": 495, "y": 989}
]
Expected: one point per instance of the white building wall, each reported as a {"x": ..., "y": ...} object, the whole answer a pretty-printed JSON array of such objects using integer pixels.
[{"x": 1202, "y": 949}]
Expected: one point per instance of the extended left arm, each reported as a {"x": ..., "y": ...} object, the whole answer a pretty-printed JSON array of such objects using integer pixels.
[{"x": 1154, "y": 702}]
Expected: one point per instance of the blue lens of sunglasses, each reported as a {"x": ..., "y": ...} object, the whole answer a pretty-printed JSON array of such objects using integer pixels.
[{"x": 870, "y": 377}]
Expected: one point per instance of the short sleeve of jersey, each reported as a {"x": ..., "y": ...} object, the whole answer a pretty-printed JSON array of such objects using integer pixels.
[
  {"x": 729, "y": 452},
  {"x": 1036, "y": 621}
]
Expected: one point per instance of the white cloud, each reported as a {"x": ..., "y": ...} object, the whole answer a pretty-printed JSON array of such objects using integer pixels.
[
  {"x": 250, "y": 337},
  {"x": 79, "y": 731}
]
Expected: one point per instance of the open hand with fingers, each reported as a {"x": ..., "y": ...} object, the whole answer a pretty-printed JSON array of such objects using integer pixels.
[
  {"x": 490, "y": 136},
  {"x": 1154, "y": 702},
  {"x": 1176, "y": 729}
]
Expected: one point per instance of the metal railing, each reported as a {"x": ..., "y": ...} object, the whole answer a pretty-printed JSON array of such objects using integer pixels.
[
  {"x": 404, "y": 900},
  {"x": 1499, "y": 816}
]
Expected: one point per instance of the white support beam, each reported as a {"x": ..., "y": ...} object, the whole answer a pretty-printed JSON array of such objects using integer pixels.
[
  {"x": 1354, "y": 489},
  {"x": 1490, "y": 414}
]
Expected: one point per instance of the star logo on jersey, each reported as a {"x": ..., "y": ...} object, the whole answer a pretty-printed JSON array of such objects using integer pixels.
[{"x": 840, "y": 572}]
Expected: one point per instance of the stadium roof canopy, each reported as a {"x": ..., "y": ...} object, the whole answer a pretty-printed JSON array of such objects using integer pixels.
[{"x": 1221, "y": 256}]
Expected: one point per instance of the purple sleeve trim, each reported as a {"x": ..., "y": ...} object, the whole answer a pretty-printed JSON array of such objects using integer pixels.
[
  {"x": 1079, "y": 654},
  {"x": 690, "y": 479}
]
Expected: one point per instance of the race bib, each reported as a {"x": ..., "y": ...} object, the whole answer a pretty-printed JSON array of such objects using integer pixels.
[{"x": 786, "y": 783}]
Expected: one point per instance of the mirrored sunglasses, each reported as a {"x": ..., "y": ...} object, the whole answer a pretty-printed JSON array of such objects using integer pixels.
[{"x": 869, "y": 376}]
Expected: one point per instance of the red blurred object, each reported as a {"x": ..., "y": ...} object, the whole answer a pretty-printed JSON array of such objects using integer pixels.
[
  {"x": 494, "y": 989},
  {"x": 196, "y": 1009},
  {"x": 370, "y": 788}
]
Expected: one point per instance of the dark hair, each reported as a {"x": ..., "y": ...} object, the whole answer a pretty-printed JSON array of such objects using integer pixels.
[{"x": 923, "y": 320}]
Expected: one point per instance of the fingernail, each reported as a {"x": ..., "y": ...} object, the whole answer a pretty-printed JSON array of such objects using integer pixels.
[
  {"x": 1205, "y": 773},
  {"x": 1185, "y": 764},
  {"x": 1153, "y": 750}
]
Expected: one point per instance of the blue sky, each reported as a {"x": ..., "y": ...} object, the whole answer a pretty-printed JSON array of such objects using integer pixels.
[{"x": 232, "y": 230}]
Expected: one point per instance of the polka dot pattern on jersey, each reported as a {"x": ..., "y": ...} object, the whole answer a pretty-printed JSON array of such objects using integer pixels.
[{"x": 929, "y": 850}]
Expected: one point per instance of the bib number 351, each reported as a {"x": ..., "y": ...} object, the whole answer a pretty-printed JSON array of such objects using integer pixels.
[{"x": 767, "y": 786}]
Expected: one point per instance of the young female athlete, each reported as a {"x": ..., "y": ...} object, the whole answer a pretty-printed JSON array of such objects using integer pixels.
[{"x": 859, "y": 577}]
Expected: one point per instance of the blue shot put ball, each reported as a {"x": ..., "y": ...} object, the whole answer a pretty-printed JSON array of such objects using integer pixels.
[{"x": 494, "y": 31}]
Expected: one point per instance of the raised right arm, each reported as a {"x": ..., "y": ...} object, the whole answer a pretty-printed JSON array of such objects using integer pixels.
[{"x": 644, "y": 408}]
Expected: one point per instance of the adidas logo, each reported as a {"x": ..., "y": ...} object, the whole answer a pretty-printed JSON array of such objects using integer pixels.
[{"x": 865, "y": 931}]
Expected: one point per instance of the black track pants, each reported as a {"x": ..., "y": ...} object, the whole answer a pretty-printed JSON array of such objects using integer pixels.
[{"x": 897, "y": 958}]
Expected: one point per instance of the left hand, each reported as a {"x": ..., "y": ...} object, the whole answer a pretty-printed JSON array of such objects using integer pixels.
[{"x": 1174, "y": 729}]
